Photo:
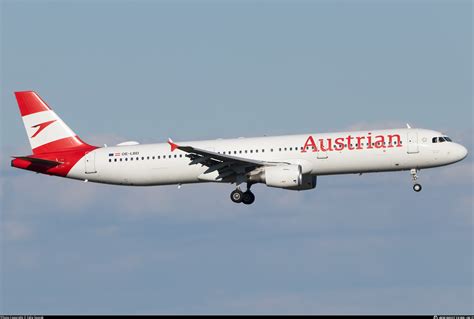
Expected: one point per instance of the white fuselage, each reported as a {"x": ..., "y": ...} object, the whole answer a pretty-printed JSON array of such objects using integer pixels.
[{"x": 335, "y": 153}]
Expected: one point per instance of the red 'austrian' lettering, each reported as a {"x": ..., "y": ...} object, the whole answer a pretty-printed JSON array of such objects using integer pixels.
[{"x": 351, "y": 143}]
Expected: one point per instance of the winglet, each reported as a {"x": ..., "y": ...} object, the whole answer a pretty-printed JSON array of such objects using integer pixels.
[
  {"x": 408, "y": 125},
  {"x": 173, "y": 145}
]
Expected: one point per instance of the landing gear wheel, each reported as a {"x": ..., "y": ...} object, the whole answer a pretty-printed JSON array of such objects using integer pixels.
[
  {"x": 414, "y": 176},
  {"x": 236, "y": 196},
  {"x": 248, "y": 198}
]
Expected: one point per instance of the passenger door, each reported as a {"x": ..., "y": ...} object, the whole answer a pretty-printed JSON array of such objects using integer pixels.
[
  {"x": 412, "y": 142},
  {"x": 90, "y": 163}
]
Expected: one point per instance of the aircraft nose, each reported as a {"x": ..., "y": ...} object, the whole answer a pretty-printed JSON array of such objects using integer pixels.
[
  {"x": 460, "y": 152},
  {"x": 463, "y": 152}
]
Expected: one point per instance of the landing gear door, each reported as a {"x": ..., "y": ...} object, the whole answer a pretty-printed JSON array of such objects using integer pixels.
[
  {"x": 412, "y": 142},
  {"x": 90, "y": 163}
]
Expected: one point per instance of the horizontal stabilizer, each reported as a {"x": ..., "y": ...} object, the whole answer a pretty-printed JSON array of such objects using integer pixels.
[{"x": 40, "y": 161}]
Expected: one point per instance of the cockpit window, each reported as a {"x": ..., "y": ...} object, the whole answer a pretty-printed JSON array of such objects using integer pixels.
[{"x": 441, "y": 139}]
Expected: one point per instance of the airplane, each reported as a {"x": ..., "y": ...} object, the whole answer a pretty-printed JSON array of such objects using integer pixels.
[{"x": 291, "y": 162}]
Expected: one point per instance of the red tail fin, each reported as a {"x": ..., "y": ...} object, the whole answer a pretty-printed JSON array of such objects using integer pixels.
[{"x": 46, "y": 131}]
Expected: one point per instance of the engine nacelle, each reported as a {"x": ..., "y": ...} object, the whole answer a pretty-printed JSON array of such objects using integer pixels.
[
  {"x": 288, "y": 177},
  {"x": 308, "y": 182}
]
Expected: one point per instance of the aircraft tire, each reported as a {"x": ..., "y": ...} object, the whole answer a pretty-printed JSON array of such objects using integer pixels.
[
  {"x": 248, "y": 198},
  {"x": 236, "y": 196}
]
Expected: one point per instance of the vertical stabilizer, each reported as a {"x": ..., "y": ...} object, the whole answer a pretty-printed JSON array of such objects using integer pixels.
[{"x": 45, "y": 129}]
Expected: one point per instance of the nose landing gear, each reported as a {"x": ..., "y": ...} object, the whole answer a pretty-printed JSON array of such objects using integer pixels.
[
  {"x": 247, "y": 197},
  {"x": 416, "y": 187}
]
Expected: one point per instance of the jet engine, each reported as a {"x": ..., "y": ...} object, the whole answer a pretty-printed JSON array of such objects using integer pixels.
[{"x": 287, "y": 177}]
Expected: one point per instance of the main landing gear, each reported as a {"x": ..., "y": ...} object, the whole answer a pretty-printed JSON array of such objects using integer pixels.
[
  {"x": 246, "y": 197},
  {"x": 416, "y": 187}
]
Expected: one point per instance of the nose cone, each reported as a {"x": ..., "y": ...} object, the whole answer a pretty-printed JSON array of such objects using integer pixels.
[{"x": 460, "y": 152}]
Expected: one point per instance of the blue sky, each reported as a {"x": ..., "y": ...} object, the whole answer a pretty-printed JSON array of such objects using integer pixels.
[{"x": 147, "y": 70}]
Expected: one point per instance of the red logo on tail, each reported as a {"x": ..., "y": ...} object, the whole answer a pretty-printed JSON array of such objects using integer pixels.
[{"x": 41, "y": 126}]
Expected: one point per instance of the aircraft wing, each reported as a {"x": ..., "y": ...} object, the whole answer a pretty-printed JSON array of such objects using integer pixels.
[{"x": 228, "y": 166}]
